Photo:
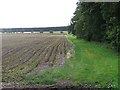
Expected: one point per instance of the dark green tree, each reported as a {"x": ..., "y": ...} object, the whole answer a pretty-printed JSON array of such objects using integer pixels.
[{"x": 97, "y": 22}]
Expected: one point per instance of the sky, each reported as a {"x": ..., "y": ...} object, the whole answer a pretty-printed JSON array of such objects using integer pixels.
[{"x": 36, "y": 13}]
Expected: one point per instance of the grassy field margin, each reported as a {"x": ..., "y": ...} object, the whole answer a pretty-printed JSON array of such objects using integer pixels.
[{"x": 91, "y": 64}]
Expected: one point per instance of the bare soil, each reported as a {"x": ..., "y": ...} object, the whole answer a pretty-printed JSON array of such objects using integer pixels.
[{"x": 29, "y": 54}]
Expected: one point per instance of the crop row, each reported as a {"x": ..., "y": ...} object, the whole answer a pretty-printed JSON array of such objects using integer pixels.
[{"x": 32, "y": 56}]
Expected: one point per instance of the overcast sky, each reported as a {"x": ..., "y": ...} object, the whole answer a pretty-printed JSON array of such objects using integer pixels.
[{"x": 36, "y": 13}]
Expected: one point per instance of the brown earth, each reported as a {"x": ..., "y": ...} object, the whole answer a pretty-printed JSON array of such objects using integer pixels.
[{"x": 28, "y": 54}]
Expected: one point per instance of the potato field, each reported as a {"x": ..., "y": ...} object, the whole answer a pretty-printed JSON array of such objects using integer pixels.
[{"x": 29, "y": 54}]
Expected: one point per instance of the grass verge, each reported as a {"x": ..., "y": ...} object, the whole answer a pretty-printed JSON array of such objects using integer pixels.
[{"x": 92, "y": 64}]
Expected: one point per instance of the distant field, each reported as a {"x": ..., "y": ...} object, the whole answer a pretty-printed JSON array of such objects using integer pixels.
[{"x": 29, "y": 54}]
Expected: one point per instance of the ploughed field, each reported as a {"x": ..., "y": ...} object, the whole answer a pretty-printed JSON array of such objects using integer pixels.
[{"x": 29, "y": 54}]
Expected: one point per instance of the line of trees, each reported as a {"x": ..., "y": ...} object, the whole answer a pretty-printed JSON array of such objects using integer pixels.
[
  {"x": 37, "y": 29},
  {"x": 97, "y": 22}
]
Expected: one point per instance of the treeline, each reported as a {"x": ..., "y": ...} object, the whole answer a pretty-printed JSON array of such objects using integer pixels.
[
  {"x": 37, "y": 29},
  {"x": 97, "y": 22}
]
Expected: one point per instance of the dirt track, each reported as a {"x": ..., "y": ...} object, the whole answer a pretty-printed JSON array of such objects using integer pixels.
[{"x": 28, "y": 54}]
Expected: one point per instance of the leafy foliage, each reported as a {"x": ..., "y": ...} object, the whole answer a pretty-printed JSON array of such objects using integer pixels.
[{"x": 97, "y": 22}]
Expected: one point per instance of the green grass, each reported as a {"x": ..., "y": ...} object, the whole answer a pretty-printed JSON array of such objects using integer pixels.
[{"x": 91, "y": 64}]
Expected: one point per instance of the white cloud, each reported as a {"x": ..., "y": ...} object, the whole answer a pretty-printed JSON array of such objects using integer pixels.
[{"x": 36, "y": 13}]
